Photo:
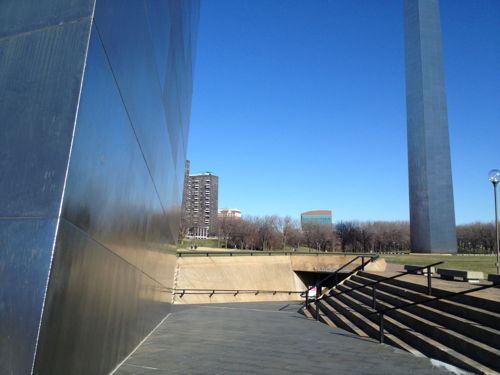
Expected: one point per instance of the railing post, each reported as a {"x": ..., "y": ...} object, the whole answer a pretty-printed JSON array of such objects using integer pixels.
[
  {"x": 429, "y": 286},
  {"x": 381, "y": 328},
  {"x": 362, "y": 263},
  {"x": 317, "y": 311},
  {"x": 374, "y": 297}
]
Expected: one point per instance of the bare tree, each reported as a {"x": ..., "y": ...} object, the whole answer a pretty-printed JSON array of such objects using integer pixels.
[
  {"x": 347, "y": 234},
  {"x": 295, "y": 235},
  {"x": 284, "y": 225},
  {"x": 273, "y": 232},
  {"x": 226, "y": 226},
  {"x": 319, "y": 236},
  {"x": 476, "y": 238}
]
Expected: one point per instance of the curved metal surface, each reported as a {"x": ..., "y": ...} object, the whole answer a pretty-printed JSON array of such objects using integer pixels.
[
  {"x": 108, "y": 257},
  {"x": 98, "y": 307},
  {"x": 26, "y": 250},
  {"x": 40, "y": 78},
  {"x": 25, "y": 16},
  {"x": 121, "y": 206},
  {"x": 42, "y": 57}
]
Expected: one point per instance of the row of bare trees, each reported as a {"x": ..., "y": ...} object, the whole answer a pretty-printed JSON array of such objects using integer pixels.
[
  {"x": 259, "y": 233},
  {"x": 275, "y": 232},
  {"x": 374, "y": 236},
  {"x": 476, "y": 238}
]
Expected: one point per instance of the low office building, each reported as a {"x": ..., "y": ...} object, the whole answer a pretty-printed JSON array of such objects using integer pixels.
[
  {"x": 316, "y": 217},
  {"x": 231, "y": 213}
]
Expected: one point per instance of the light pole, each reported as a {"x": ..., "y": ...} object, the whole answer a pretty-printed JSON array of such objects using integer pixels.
[{"x": 494, "y": 177}]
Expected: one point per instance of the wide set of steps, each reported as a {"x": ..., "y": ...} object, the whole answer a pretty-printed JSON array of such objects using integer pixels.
[{"x": 463, "y": 331}]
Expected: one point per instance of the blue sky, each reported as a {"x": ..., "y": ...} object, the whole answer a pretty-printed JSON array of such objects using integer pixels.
[{"x": 300, "y": 105}]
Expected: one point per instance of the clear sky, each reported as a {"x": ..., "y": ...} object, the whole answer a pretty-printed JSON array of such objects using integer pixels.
[{"x": 300, "y": 105}]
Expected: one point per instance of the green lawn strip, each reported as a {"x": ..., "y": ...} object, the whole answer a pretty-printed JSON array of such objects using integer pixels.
[
  {"x": 485, "y": 264},
  {"x": 187, "y": 243},
  {"x": 214, "y": 243}
]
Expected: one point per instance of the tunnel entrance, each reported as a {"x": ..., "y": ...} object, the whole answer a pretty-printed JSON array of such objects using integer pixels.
[{"x": 311, "y": 278}]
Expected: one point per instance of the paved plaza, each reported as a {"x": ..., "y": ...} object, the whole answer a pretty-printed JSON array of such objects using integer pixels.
[{"x": 262, "y": 338}]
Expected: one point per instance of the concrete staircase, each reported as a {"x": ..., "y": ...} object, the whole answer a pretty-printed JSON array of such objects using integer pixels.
[{"x": 464, "y": 332}]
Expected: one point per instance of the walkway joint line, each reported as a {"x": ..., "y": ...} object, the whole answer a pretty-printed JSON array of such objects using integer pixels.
[{"x": 144, "y": 339}]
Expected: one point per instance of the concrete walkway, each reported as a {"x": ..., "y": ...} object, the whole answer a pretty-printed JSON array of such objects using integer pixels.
[{"x": 262, "y": 338}]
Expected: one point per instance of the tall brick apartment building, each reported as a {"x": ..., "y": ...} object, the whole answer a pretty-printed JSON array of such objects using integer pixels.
[{"x": 200, "y": 203}]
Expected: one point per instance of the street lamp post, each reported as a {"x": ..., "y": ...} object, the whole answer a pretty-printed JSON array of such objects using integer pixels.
[{"x": 494, "y": 177}]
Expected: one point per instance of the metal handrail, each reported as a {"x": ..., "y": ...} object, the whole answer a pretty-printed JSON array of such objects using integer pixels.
[
  {"x": 374, "y": 289},
  {"x": 413, "y": 271},
  {"x": 211, "y": 292},
  {"x": 335, "y": 273},
  {"x": 446, "y": 296},
  {"x": 385, "y": 311},
  {"x": 322, "y": 281},
  {"x": 198, "y": 253}
]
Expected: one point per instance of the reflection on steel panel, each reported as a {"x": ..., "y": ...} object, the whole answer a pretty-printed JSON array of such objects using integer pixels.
[
  {"x": 98, "y": 307},
  {"x": 20, "y": 16},
  {"x": 109, "y": 192},
  {"x": 40, "y": 83},
  {"x": 160, "y": 26},
  {"x": 96, "y": 246},
  {"x": 432, "y": 212},
  {"x": 26, "y": 252},
  {"x": 129, "y": 49}
]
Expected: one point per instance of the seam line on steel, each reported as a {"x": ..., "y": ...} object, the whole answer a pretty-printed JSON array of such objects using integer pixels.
[
  {"x": 164, "y": 109},
  {"x": 113, "y": 253},
  {"x": 28, "y": 217},
  {"x": 129, "y": 118},
  {"x": 64, "y": 188},
  {"x": 24, "y": 33}
]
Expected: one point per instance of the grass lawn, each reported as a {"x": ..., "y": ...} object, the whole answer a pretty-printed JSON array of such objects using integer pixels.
[
  {"x": 485, "y": 264},
  {"x": 213, "y": 243},
  {"x": 188, "y": 242}
]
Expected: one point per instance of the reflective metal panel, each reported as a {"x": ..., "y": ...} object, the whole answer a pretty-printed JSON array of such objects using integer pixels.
[
  {"x": 172, "y": 94},
  {"x": 113, "y": 255},
  {"x": 432, "y": 213},
  {"x": 25, "y": 251},
  {"x": 98, "y": 307},
  {"x": 40, "y": 77},
  {"x": 125, "y": 34},
  {"x": 17, "y": 16},
  {"x": 109, "y": 192},
  {"x": 160, "y": 26}
]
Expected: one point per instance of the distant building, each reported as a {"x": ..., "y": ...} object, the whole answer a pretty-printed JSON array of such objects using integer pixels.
[
  {"x": 233, "y": 213},
  {"x": 200, "y": 203},
  {"x": 316, "y": 217}
]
